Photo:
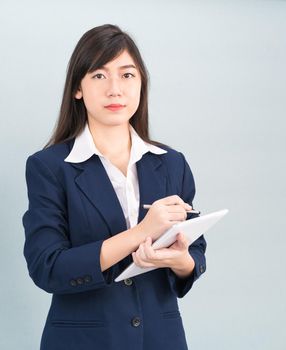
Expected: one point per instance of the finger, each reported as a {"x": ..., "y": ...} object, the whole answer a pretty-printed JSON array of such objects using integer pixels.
[
  {"x": 141, "y": 252},
  {"x": 183, "y": 241},
  {"x": 176, "y": 216},
  {"x": 188, "y": 206},
  {"x": 175, "y": 221},
  {"x": 179, "y": 215},
  {"x": 174, "y": 199},
  {"x": 177, "y": 212},
  {"x": 148, "y": 250},
  {"x": 139, "y": 262},
  {"x": 179, "y": 244},
  {"x": 135, "y": 259},
  {"x": 177, "y": 209}
]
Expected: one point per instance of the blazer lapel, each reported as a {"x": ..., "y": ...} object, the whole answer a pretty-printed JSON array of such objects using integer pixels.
[
  {"x": 94, "y": 182},
  {"x": 152, "y": 178}
]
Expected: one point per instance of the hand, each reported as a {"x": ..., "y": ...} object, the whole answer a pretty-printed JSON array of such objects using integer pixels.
[
  {"x": 176, "y": 256},
  {"x": 162, "y": 215}
]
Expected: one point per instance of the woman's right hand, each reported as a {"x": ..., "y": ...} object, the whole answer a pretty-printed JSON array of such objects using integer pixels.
[{"x": 162, "y": 215}]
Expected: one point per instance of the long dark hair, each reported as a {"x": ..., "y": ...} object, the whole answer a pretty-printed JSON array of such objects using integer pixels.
[{"x": 97, "y": 47}]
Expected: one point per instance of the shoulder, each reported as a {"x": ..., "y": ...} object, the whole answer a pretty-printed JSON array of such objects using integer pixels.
[
  {"x": 52, "y": 157},
  {"x": 174, "y": 162},
  {"x": 172, "y": 156},
  {"x": 179, "y": 172}
]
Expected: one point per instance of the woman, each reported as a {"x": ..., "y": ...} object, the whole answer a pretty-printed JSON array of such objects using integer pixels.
[{"x": 86, "y": 222}]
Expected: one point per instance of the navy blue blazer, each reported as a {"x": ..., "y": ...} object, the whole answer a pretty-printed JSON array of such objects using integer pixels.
[{"x": 72, "y": 209}]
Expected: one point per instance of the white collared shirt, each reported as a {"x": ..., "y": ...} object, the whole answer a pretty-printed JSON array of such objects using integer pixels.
[{"x": 126, "y": 188}]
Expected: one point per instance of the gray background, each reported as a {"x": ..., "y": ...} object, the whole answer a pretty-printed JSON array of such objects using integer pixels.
[{"x": 217, "y": 94}]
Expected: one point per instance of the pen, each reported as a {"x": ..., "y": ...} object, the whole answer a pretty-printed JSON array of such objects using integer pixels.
[{"x": 147, "y": 206}]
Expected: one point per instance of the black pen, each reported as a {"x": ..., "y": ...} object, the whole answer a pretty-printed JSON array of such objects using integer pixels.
[{"x": 148, "y": 206}]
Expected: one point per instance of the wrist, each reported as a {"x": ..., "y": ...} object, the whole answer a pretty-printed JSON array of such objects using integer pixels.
[
  {"x": 139, "y": 234},
  {"x": 184, "y": 267}
]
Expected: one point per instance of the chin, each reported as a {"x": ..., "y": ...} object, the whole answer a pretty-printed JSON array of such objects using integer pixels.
[
  {"x": 114, "y": 120},
  {"x": 118, "y": 120}
]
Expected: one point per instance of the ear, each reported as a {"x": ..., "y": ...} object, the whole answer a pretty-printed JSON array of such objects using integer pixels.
[{"x": 78, "y": 94}]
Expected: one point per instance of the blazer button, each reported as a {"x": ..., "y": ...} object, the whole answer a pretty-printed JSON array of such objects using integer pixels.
[
  {"x": 79, "y": 280},
  {"x": 87, "y": 278},
  {"x": 202, "y": 269},
  {"x": 73, "y": 283},
  {"x": 128, "y": 281},
  {"x": 136, "y": 322}
]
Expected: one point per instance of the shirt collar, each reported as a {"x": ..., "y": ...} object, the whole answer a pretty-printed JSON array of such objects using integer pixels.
[{"x": 84, "y": 147}]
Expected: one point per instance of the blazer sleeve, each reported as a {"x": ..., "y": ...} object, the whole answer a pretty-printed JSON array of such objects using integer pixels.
[
  {"x": 53, "y": 264},
  {"x": 181, "y": 286}
]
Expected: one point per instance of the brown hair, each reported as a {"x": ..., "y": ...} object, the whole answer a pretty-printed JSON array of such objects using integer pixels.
[{"x": 97, "y": 47}]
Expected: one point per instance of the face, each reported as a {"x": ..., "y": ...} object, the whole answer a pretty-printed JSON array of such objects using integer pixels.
[{"x": 116, "y": 83}]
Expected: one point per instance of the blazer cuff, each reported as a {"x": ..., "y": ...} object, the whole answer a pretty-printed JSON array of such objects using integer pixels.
[
  {"x": 108, "y": 275},
  {"x": 86, "y": 274},
  {"x": 181, "y": 286}
]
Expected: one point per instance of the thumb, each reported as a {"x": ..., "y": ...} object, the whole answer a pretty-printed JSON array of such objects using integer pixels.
[{"x": 182, "y": 241}]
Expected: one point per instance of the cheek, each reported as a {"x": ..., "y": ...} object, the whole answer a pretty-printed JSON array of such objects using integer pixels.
[
  {"x": 134, "y": 87},
  {"x": 135, "y": 102},
  {"x": 91, "y": 99},
  {"x": 135, "y": 94}
]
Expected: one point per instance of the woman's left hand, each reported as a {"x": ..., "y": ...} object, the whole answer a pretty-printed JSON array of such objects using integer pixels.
[{"x": 174, "y": 257}]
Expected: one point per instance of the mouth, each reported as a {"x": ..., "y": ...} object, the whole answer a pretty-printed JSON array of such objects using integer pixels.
[{"x": 114, "y": 106}]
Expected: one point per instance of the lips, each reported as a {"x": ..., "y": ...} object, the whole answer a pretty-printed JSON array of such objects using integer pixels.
[{"x": 115, "y": 106}]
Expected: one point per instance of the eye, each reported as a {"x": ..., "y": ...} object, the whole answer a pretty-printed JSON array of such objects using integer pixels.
[
  {"x": 127, "y": 75},
  {"x": 98, "y": 76}
]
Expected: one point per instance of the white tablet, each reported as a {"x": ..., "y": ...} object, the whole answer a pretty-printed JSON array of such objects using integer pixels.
[{"x": 192, "y": 228}]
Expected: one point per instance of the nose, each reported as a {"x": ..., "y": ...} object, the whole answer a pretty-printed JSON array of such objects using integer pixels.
[{"x": 114, "y": 87}]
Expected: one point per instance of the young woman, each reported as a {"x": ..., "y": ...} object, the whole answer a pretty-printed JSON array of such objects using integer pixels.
[{"x": 86, "y": 222}]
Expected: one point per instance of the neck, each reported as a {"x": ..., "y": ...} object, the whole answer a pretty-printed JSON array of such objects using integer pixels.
[{"x": 111, "y": 141}]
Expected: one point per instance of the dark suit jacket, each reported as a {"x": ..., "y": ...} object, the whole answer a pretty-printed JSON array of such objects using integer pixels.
[{"x": 73, "y": 208}]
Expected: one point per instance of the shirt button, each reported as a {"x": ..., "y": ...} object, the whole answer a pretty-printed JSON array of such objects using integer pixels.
[
  {"x": 128, "y": 281},
  {"x": 136, "y": 322},
  {"x": 73, "y": 283},
  {"x": 202, "y": 269}
]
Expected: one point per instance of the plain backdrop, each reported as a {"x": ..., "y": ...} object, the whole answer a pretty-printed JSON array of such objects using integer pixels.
[{"x": 217, "y": 94}]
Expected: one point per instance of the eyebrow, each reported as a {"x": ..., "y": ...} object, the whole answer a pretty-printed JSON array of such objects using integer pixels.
[{"x": 121, "y": 67}]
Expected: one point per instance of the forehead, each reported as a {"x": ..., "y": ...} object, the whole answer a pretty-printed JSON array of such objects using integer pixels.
[{"x": 123, "y": 60}]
